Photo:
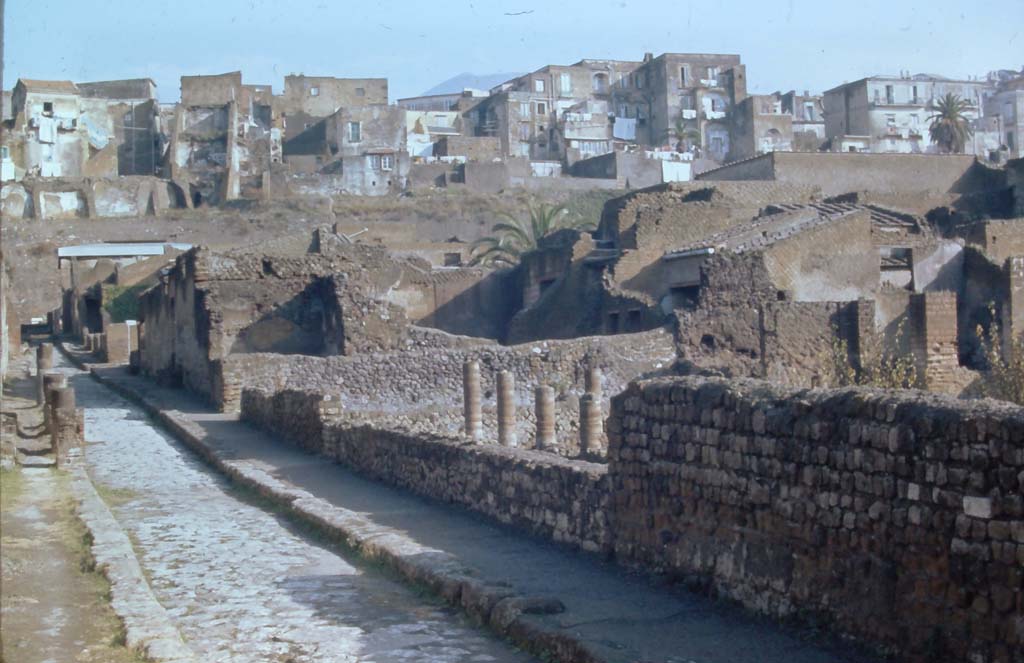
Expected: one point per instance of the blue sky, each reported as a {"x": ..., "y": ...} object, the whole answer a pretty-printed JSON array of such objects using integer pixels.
[{"x": 786, "y": 44}]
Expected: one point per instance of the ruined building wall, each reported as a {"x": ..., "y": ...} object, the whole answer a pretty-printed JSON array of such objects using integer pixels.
[
  {"x": 470, "y": 302},
  {"x": 671, "y": 215},
  {"x": 999, "y": 239},
  {"x": 744, "y": 325},
  {"x": 894, "y": 516},
  {"x": 214, "y": 306},
  {"x": 834, "y": 262}
]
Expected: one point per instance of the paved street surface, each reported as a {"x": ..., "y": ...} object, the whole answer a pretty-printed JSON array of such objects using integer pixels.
[{"x": 241, "y": 584}]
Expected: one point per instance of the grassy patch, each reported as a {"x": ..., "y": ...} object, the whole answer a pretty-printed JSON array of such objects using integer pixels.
[
  {"x": 115, "y": 496},
  {"x": 78, "y": 541},
  {"x": 11, "y": 485}
]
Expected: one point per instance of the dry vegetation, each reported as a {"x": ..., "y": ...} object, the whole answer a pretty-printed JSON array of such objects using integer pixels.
[
  {"x": 1004, "y": 378},
  {"x": 881, "y": 364}
]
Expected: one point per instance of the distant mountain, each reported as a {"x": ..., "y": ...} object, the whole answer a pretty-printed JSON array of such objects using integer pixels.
[{"x": 465, "y": 79}]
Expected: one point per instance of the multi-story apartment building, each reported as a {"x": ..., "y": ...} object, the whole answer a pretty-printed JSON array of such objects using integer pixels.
[
  {"x": 891, "y": 113},
  {"x": 99, "y": 129},
  {"x": 808, "y": 119},
  {"x": 558, "y": 112},
  {"x": 306, "y": 100},
  {"x": 524, "y": 112},
  {"x": 1005, "y": 108},
  {"x": 759, "y": 124},
  {"x": 682, "y": 100}
]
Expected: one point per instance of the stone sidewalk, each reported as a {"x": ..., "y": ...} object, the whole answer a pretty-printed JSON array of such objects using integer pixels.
[{"x": 515, "y": 584}]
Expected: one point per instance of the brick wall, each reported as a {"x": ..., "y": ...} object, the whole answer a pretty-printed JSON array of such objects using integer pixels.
[
  {"x": 896, "y": 517},
  {"x": 933, "y": 318}
]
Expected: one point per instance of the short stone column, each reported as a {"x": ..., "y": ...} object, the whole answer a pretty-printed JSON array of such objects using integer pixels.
[
  {"x": 506, "y": 409},
  {"x": 590, "y": 425},
  {"x": 544, "y": 409},
  {"x": 67, "y": 428},
  {"x": 44, "y": 362},
  {"x": 471, "y": 400},
  {"x": 51, "y": 381}
]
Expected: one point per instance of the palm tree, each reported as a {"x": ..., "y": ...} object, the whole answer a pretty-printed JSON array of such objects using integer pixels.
[
  {"x": 949, "y": 127},
  {"x": 514, "y": 237}
]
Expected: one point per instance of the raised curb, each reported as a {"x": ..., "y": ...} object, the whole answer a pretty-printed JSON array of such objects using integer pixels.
[
  {"x": 149, "y": 630},
  {"x": 497, "y": 607}
]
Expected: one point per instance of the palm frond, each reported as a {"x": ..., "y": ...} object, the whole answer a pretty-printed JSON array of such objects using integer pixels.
[{"x": 949, "y": 127}]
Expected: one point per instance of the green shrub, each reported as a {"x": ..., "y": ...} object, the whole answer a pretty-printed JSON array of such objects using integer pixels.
[{"x": 122, "y": 301}]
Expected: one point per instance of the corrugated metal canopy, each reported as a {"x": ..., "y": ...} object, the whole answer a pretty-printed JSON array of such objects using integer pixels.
[{"x": 115, "y": 250}]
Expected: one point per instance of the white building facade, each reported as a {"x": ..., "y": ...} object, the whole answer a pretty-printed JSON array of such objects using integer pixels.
[{"x": 892, "y": 113}]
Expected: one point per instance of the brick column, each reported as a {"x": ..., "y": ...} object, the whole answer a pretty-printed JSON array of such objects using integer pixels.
[
  {"x": 935, "y": 339},
  {"x": 471, "y": 400},
  {"x": 1013, "y": 310},
  {"x": 506, "y": 409},
  {"x": 544, "y": 408}
]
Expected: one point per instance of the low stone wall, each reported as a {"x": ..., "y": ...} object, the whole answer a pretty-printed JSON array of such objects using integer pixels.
[
  {"x": 895, "y": 517},
  {"x": 540, "y": 493}
]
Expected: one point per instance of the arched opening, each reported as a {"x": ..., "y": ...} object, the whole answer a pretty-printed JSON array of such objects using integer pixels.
[
  {"x": 771, "y": 140},
  {"x": 601, "y": 83}
]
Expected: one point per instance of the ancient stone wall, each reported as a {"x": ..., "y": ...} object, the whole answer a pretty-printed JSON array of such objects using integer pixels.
[
  {"x": 537, "y": 492},
  {"x": 837, "y": 173},
  {"x": 214, "y": 306},
  {"x": 896, "y": 517},
  {"x": 429, "y": 374}
]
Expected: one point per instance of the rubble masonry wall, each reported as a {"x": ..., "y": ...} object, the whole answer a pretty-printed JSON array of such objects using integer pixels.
[
  {"x": 537, "y": 492},
  {"x": 896, "y": 517}
]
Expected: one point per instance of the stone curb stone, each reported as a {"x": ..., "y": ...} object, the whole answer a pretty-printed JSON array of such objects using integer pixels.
[{"x": 149, "y": 630}]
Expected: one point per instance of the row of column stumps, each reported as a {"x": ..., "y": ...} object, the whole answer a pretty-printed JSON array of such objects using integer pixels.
[
  {"x": 61, "y": 419},
  {"x": 591, "y": 422}
]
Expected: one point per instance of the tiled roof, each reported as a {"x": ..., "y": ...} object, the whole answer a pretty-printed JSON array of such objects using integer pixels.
[{"x": 782, "y": 221}]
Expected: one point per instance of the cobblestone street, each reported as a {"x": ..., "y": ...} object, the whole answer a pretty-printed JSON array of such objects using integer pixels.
[{"x": 240, "y": 584}]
